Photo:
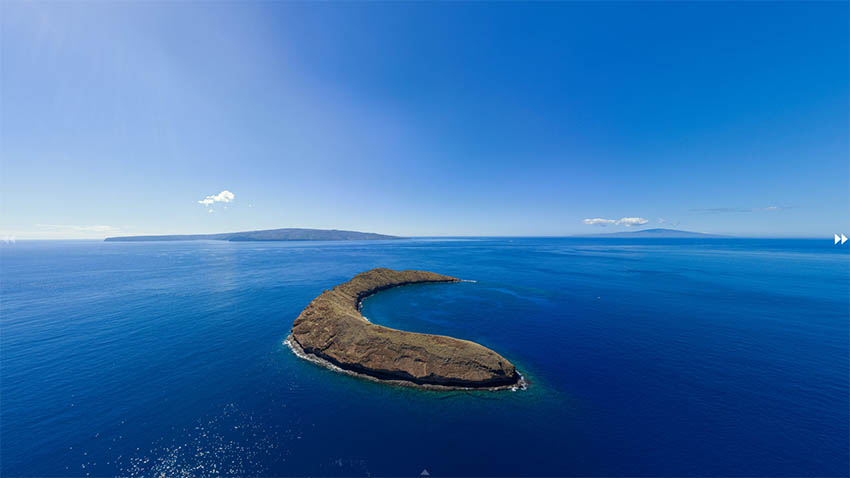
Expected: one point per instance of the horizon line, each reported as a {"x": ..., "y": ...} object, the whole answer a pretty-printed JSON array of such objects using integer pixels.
[{"x": 12, "y": 238}]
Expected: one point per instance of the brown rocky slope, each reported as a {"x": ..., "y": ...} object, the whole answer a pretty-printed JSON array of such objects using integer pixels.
[{"x": 332, "y": 331}]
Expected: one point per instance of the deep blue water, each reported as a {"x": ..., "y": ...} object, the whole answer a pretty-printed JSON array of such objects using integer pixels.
[{"x": 647, "y": 357}]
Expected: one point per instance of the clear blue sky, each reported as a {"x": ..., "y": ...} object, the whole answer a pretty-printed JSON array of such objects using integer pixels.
[{"x": 424, "y": 118}]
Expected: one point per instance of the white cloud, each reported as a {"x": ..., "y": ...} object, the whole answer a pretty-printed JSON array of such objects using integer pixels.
[
  {"x": 632, "y": 221},
  {"x": 224, "y": 196},
  {"x": 623, "y": 221},
  {"x": 598, "y": 221}
]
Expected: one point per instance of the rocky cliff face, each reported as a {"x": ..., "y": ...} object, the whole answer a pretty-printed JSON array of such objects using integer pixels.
[{"x": 332, "y": 329}]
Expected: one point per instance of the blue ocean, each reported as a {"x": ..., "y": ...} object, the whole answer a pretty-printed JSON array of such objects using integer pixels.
[{"x": 711, "y": 357}]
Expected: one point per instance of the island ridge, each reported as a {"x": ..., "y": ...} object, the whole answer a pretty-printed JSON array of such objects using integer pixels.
[
  {"x": 331, "y": 331},
  {"x": 286, "y": 234}
]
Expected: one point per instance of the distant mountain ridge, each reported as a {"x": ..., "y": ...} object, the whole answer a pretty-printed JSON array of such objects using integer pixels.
[
  {"x": 286, "y": 234},
  {"x": 658, "y": 232}
]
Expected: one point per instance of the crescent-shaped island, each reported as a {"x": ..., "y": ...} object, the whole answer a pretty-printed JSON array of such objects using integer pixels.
[{"x": 331, "y": 331}]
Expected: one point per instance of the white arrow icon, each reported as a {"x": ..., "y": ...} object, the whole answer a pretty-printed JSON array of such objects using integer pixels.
[
  {"x": 842, "y": 238},
  {"x": 836, "y": 238}
]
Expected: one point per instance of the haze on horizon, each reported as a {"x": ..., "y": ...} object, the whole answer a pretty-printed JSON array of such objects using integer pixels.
[{"x": 420, "y": 119}]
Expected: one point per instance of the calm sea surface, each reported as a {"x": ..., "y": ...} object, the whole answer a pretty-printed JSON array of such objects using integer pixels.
[{"x": 647, "y": 357}]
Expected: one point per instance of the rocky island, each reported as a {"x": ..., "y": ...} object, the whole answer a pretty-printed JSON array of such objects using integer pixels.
[{"x": 331, "y": 331}]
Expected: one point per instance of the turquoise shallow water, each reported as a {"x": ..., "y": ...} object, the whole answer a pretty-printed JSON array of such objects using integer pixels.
[{"x": 647, "y": 357}]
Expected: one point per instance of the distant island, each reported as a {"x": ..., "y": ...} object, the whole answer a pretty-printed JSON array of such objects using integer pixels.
[
  {"x": 332, "y": 332},
  {"x": 287, "y": 234},
  {"x": 659, "y": 233}
]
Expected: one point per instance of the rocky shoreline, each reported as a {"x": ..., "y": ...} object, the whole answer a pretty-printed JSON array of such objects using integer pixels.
[{"x": 331, "y": 331}]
